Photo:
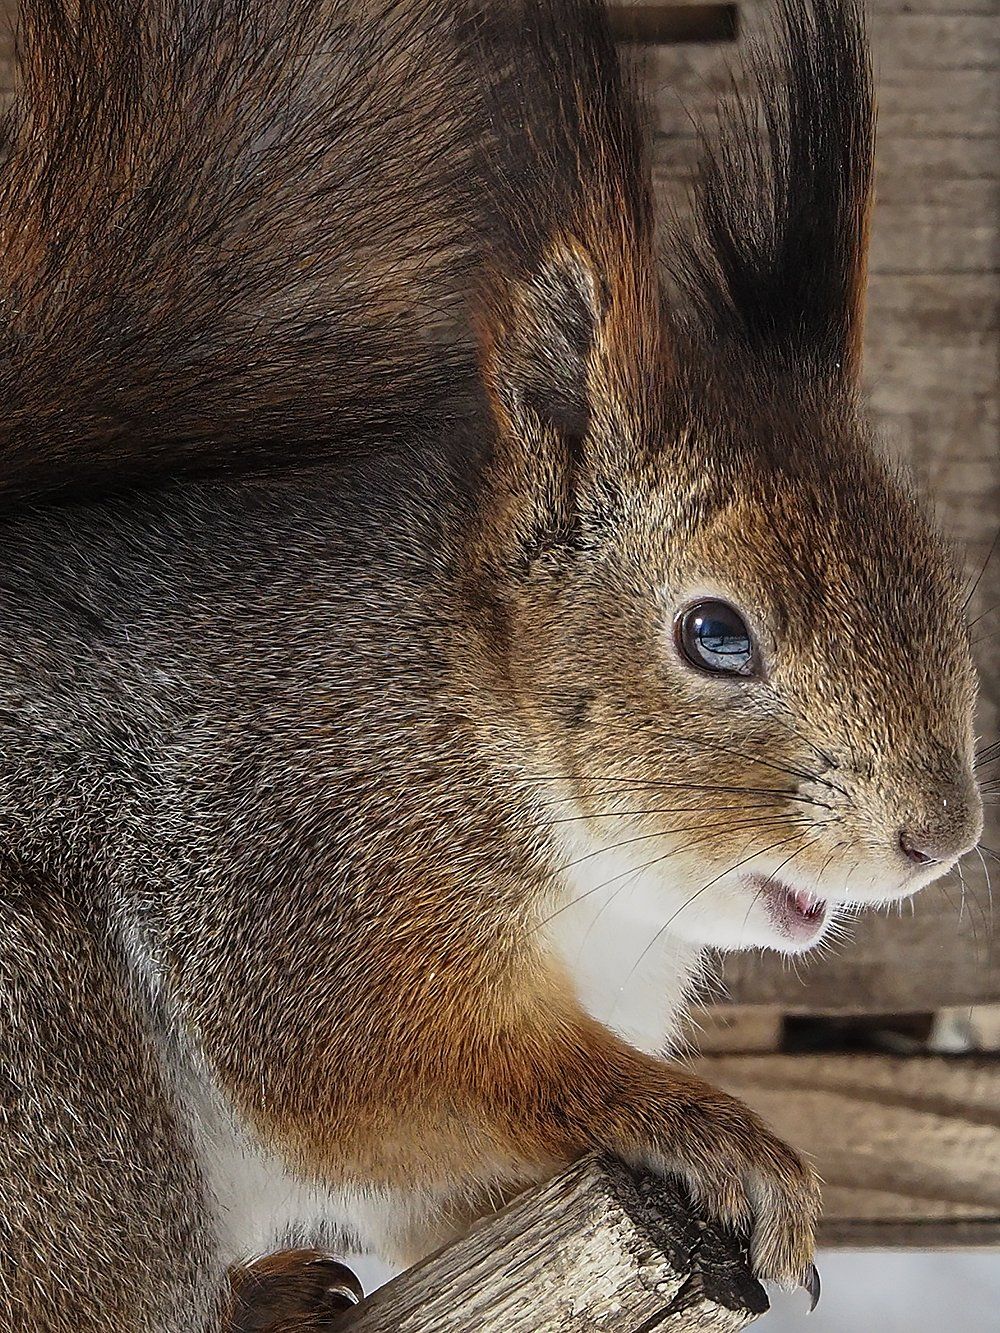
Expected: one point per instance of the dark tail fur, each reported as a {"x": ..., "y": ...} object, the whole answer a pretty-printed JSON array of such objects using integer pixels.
[
  {"x": 229, "y": 229},
  {"x": 232, "y": 229}
]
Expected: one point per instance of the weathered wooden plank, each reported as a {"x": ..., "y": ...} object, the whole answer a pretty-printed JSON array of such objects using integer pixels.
[
  {"x": 908, "y": 1147},
  {"x": 920, "y": 35},
  {"x": 597, "y": 1247},
  {"x": 735, "y": 1029},
  {"x": 909, "y": 170},
  {"x": 936, "y": 71},
  {"x": 951, "y": 230},
  {"x": 909, "y": 1150},
  {"x": 950, "y": 42},
  {"x": 686, "y": 84},
  {"x": 945, "y": 8},
  {"x": 652, "y": 23},
  {"x": 909, "y": 165},
  {"x": 925, "y": 220},
  {"x": 932, "y": 338},
  {"x": 959, "y": 103}
]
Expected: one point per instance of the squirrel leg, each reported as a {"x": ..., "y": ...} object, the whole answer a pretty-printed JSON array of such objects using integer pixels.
[
  {"x": 563, "y": 1088},
  {"x": 102, "y": 1211}
]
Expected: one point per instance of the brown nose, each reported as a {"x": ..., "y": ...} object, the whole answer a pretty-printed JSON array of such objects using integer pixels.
[
  {"x": 947, "y": 827},
  {"x": 909, "y": 849}
]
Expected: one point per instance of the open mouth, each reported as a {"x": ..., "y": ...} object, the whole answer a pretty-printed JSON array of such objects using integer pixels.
[{"x": 798, "y": 915}]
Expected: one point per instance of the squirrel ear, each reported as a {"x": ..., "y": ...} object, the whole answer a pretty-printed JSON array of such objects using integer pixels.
[
  {"x": 539, "y": 343},
  {"x": 572, "y": 325},
  {"x": 576, "y": 350}
]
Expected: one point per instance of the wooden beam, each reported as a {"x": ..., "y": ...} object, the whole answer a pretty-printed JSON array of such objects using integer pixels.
[
  {"x": 908, "y": 1147},
  {"x": 909, "y": 1150},
  {"x": 734, "y": 1029},
  {"x": 663, "y": 24},
  {"x": 597, "y": 1247},
  {"x": 942, "y": 954}
]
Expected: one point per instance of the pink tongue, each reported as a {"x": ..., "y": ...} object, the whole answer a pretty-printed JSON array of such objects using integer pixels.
[{"x": 805, "y": 904}]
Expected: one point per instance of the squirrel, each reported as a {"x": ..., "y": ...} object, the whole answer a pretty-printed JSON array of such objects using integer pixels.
[{"x": 429, "y": 628}]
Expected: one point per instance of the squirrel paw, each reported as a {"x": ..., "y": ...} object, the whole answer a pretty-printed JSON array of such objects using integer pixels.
[
  {"x": 743, "y": 1176},
  {"x": 289, "y": 1290}
]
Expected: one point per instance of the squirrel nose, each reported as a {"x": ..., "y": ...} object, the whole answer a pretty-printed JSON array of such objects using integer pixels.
[
  {"x": 910, "y": 849},
  {"x": 948, "y": 828}
]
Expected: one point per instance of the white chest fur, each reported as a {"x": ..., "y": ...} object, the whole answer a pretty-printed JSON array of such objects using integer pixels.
[
  {"x": 609, "y": 932},
  {"x": 262, "y": 1205}
]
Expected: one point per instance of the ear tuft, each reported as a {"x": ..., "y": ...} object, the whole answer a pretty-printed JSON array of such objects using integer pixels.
[{"x": 778, "y": 263}]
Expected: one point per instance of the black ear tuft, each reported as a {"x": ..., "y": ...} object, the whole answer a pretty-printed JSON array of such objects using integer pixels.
[{"x": 778, "y": 262}]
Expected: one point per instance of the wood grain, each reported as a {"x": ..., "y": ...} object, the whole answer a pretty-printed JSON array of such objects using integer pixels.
[
  {"x": 595, "y": 1248},
  {"x": 908, "y": 1147},
  {"x": 909, "y": 1150}
]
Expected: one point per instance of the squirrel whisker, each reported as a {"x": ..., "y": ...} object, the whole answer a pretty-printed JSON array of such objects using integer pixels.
[
  {"x": 787, "y": 793},
  {"x": 985, "y": 565},
  {"x": 986, "y": 875},
  {"x": 716, "y": 829},
  {"x": 666, "y": 810},
  {"x": 760, "y": 891},
  {"x": 706, "y": 836}
]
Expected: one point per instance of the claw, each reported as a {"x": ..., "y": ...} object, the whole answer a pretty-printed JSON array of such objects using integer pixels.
[
  {"x": 343, "y": 1290},
  {"x": 810, "y": 1281}
]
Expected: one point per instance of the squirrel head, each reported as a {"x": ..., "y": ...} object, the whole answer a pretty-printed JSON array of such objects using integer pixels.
[{"x": 734, "y": 638}]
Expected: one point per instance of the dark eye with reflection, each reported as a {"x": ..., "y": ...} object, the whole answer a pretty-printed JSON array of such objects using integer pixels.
[{"x": 713, "y": 636}]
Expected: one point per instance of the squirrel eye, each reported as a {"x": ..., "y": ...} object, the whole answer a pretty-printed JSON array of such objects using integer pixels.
[{"x": 713, "y": 636}]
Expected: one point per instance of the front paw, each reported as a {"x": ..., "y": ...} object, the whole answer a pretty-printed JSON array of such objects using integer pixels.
[{"x": 742, "y": 1175}]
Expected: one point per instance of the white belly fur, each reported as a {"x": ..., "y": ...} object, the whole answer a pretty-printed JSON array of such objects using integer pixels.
[{"x": 262, "y": 1205}]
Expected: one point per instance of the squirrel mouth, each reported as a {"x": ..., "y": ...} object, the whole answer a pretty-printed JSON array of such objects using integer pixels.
[{"x": 797, "y": 914}]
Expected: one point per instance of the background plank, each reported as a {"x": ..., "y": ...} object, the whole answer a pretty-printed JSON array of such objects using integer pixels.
[{"x": 908, "y": 1148}]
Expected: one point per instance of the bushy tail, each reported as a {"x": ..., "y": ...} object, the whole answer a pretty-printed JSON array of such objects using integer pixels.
[{"x": 230, "y": 229}]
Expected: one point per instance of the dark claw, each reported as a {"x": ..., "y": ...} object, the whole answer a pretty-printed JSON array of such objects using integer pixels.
[
  {"x": 343, "y": 1290},
  {"x": 811, "y": 1283}
]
